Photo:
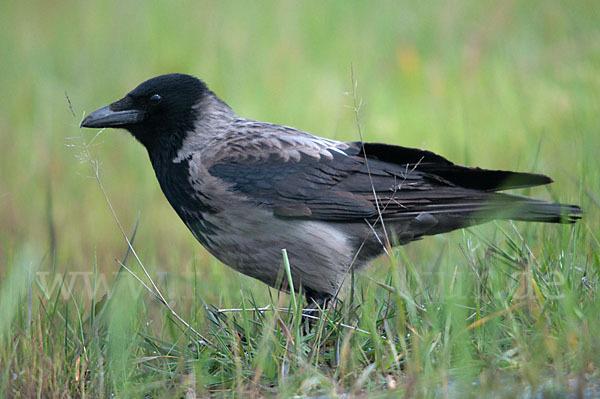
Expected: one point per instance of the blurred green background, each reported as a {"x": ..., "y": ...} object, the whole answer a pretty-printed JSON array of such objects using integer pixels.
[
  {"x": 503, "y": 85},
  {"x": 509, "y": 84}
]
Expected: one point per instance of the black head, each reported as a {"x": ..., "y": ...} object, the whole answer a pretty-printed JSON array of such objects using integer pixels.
[{"x": 157, "y": 111}]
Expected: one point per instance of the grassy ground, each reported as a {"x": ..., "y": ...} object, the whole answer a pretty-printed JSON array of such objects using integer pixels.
[{"x": 501, "y": 310}]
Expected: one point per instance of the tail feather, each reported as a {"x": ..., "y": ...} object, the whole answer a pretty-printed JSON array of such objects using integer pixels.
[
  {"x": 489, "y": 206},
  {"x": 515, "y": 207},
  {"x": 531, "y": 210}
]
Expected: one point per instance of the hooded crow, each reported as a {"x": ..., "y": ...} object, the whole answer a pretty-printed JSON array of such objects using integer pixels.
[{"x": 247, "y": 189}]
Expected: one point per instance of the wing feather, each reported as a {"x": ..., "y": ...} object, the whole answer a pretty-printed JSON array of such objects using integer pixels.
[{"x": 298, "y": 175}]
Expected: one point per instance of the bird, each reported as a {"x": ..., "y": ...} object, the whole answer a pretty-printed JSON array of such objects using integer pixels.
[{"x": 248, "y": 189}]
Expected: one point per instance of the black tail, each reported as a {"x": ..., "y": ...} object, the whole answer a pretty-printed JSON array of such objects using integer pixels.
[
  {"x": 532, "y": 210},
  {"x": 477, "y": 203},
  {"x": 515, "y": 207}
]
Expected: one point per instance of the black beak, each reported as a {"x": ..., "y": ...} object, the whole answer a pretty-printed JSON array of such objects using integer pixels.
[{"x": 104, "y": 117}]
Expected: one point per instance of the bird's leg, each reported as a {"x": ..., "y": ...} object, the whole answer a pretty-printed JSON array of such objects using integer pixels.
[{"x": 317, "y": 302}]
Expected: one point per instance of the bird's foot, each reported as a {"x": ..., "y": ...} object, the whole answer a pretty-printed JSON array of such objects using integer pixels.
[{"x": 317, "y": 304}]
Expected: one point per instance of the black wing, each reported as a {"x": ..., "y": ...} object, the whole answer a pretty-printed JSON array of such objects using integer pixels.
[
  {"x": 356, "y": 182},
  {"x": 463, "y": 176}
]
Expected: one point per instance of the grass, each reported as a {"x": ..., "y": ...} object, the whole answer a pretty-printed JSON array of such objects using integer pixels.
[{"x": 501, "y": 310}]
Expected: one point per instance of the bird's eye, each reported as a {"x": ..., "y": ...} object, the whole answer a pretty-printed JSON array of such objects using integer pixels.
[{"x": 155, "y": 99}]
